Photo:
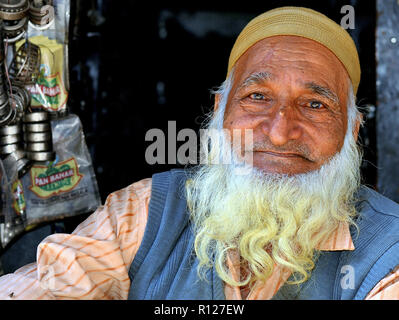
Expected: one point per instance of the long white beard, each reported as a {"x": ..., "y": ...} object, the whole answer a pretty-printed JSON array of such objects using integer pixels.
[{"x": 289, "y": 215}]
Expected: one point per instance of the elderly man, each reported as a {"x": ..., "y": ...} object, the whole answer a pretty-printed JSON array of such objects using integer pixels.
[{"x": 296, "y": 224}]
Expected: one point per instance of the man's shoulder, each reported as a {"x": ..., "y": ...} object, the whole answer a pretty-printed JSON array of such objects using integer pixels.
[
  {"x": 379, "y": 203},
  {"x": 143, "y": 187},
  {"x": 171, "y": 183},
  {"x": 140, "y": 189},
  {"x": 176, "y": 173}
]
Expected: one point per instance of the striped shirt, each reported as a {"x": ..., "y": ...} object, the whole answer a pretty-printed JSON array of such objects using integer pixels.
[{"x": 93, "y": 261}]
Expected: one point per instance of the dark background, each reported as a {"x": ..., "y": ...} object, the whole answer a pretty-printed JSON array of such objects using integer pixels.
[{"x": 135, "y": 65}]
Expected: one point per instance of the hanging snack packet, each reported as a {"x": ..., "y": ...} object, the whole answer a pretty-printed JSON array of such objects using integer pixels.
[
  {"x": 48, "y": 29},
  {"x": 64, "y": 187},
  {"x": 49, "y": 92}
]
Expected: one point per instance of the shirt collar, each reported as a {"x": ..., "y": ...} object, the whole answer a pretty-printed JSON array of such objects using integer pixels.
[{"x": 340, "y": 239}]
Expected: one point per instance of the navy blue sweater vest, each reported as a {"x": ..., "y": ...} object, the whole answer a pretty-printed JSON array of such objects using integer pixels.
[{"x": 165, "y": 266}]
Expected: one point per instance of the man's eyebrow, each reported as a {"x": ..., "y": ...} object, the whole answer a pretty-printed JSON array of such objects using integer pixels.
[
  {"x": 256, "y": 78},
  {"x": 323, "y": 91}
]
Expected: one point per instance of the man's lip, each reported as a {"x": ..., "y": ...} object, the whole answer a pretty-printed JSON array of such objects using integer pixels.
[{"x": 282, "y": 154}]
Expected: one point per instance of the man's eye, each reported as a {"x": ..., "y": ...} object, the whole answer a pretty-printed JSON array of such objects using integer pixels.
[
  {"x": 257, "y": 96},
  {"x": 316, "y": 105}
]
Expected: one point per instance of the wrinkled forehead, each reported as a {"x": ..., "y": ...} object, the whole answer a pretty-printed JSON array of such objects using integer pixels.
[{"x": 294, "y": 58}]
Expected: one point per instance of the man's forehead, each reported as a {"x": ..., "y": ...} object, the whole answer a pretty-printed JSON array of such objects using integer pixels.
[
  {"x": 263, "y": 77},
  {"x": 279, "y": 56}
]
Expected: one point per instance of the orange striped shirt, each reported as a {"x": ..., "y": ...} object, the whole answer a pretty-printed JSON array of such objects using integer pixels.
[{"x": 93, "y": 262}]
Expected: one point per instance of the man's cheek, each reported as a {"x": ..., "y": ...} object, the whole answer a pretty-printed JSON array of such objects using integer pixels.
[{"x": 328, "y": 146}]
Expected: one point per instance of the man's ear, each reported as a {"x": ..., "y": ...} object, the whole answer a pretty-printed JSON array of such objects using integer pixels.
[{"x": 356, "y": 128}]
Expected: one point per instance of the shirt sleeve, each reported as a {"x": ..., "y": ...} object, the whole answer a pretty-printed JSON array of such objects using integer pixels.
[
  {"x": 93, "y": 261},
  {"x": 387, "y": 288}
]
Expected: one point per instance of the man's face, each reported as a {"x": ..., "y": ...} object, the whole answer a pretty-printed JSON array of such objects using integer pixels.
[{"x": 292, "y": 92}]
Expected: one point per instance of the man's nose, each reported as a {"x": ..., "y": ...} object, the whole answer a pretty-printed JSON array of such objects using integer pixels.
[{"x": 282, "y": 126}]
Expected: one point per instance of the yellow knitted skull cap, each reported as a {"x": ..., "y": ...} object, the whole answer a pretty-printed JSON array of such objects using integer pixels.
[{"x": 303, "y": 22}]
